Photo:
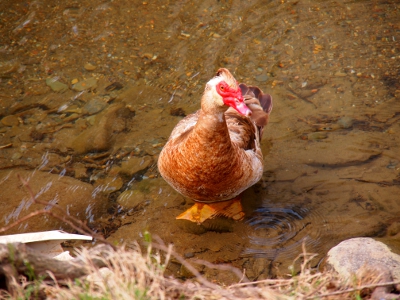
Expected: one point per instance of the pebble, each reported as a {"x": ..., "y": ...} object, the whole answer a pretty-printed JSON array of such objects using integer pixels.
[
  {"x": 262, "y": 77},
  {"x": 16, "y": 155},
  {"x": 87, "y": 84},
  {"x": 109, "y": 184},
  {"x": 9, "y": 67},
  {"x": 10, "y": 120},
  {"x": 393, "y": 229},
  {"x": 73, "y": 109},
  {"x": 317, "y": 135},
  {"x": 345, "y": 122},
  {"x": 314, "y": 66},
  {"x": 56, "y": 86},
  {"x": 189, "y": 254},
  {"x": 340, "y": 74},
  {"x": 135, "y": 164},
  {"x": 131, "y": 198},
  {"x": 95, "y": 105},
  {"x": 89, "y": 67}
]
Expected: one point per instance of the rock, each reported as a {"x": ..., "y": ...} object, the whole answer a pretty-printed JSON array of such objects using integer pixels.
[
  {"x": 262, "y": 77},
  {"x": 89, "y": 67},
  {"x": 87, "y": 84},
  {"x": 56, "y": 86},
  {"x": 9, "y": 67},
  {"x": 135, "y": 164},
  {"x": 393, "y": 229},
  {"x": 109, "y": 184},
  {"x": 99, "y": 137},
  {"x": 10, "y": 120},
  {"x": 188, "y": 254},
  {"x": 314, "y": 66},
  {"x": 317, "y": 135},
  {"x": 340, "y": 74},
  {"x": 348, "y": 257},
  {"x": 131, "y": 198},
  {"x": 16, "y": 155},
  {"x": 345, "y": 122},
  {"x": 74, "y": 197},
  {"x": 80, "y": 171},
  {"x": 95, "y": 106}
]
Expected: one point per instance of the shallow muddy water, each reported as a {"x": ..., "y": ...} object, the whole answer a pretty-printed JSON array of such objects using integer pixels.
[{"x": 90, "y": 92}]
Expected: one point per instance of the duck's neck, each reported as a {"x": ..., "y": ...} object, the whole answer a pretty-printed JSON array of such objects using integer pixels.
[{"x": 212, "y": 132}]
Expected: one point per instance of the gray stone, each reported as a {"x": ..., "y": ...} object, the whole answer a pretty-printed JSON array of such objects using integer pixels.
[
  {"x": 95, "y": 105},
  {"x": 262, "y": 77},
  {"x": 353, "y": 255}
]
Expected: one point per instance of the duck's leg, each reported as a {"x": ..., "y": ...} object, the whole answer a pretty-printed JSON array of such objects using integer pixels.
[{"x": 200, "y": 212}]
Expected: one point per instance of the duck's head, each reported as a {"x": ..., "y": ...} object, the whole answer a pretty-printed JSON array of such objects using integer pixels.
[{"x": 225, "y": 91}]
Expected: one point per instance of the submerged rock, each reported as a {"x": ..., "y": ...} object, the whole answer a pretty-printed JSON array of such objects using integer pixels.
[
  {"x": 345, "y": 122},
  {"x": 109, "y": 184},
  {"x": 87, "y": 84},
  {"x": 131, "y": 198},
  {"x": 262, "y": 77},
  {"x": 99, "y": 137},
  {"x": 74, "y": 198},
  {"x": 10, "y": 120},
  {"x": 135, "y": 164},
  {"x": 95, "y": 105},
  {"x": 56, "y": 86},
  {"x": 89, "y": 67}
]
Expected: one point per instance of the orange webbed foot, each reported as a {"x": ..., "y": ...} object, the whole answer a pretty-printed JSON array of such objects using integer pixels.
[{"x": 200, "y": 212}]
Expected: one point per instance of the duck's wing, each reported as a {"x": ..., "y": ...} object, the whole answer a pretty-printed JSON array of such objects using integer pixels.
[
  {"x": 242, "y": 130},
  {"x": 246, "y": 131},
  {"x": 259, "y": 103},
  {"x": 183, "y": 128}
]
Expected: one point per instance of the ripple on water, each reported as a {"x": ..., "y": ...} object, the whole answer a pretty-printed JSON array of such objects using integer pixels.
[{"x": 279, "y": 232}]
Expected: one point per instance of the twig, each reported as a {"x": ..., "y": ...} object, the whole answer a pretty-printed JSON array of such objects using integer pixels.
[
  {"x": 282, "y": 282},
  {"x": 188, "y": 266},
  {"x": 358, "y": 288},
  {"x": 6, "y": 146},
  {"x": 224, "y": 267}
]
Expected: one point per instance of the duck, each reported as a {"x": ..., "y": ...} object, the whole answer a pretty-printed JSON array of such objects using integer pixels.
[{"x": 213, "y": 155}]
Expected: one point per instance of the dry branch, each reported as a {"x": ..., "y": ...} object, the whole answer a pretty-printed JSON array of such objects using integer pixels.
[{"x": 26, "y": 261}]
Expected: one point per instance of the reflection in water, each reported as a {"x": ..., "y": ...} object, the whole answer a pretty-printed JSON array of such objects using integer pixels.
[{"x": 281, "y": 231}]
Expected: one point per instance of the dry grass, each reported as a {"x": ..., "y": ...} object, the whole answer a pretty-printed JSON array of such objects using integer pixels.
[{"x": 132, "y": 274}]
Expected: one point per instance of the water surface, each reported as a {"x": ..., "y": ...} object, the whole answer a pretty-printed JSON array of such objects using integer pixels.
[{"x": 90, "y": 92}]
